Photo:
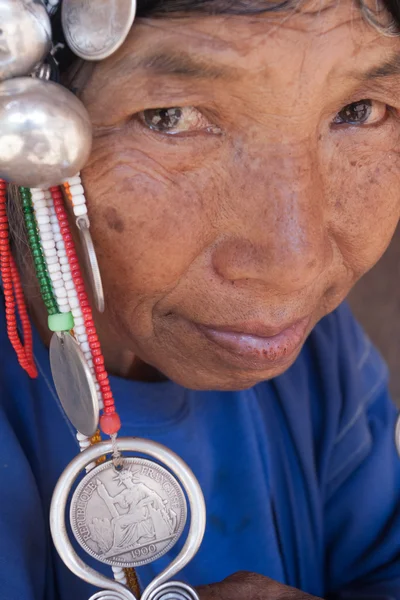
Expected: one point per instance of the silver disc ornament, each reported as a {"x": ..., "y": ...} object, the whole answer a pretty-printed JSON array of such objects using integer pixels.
[
  {"x": 128, "y": 517},
  {"x": 95, "y": 30},
  {"x": 25, "y": 36},
  {"x": 91, "y": 263},
  {"x": 45, "y": 133},
  {"x": 74, "y": 383},
  {"x": 397, "y": 435}
]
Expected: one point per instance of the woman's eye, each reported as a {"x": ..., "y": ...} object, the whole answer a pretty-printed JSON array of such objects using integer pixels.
[
  {"x": 363, "y": 112},
  {"x": 177, "y": 119}
]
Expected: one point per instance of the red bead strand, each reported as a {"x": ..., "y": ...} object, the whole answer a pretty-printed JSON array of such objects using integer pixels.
[
  {"x": 13, "y": 294},
  {"x": 109, "y": 421}
]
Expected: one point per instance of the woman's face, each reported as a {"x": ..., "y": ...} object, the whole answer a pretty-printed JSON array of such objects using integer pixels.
[{"x": 229, "y": 223}]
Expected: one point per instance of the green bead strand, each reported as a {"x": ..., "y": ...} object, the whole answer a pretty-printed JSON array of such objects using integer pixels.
[{"x": 46, "y": 289}]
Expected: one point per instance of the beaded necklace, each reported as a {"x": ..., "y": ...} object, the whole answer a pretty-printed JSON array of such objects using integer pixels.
[
  {"x": 44, "y": 183},
  {"x": 13, "y": 295}
]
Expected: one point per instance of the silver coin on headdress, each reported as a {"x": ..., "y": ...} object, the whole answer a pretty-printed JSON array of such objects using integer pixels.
[
  {"x": 25, "y": 36},
  {"x": 95, "y": 30},
  {"x": 45, "y": 133}
]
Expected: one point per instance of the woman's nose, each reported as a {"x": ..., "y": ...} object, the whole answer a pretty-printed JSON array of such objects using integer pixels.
[{"x": 278, "y": 233}]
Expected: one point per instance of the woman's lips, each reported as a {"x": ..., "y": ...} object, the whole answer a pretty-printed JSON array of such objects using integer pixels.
[{"x": 257, "y": 344}]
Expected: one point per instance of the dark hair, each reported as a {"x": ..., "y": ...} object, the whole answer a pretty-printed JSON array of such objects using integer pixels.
[
  {"x": 393, "y": 8},
  {"x": 234, "y": 7},
  {"x": 210, "y": 7}
]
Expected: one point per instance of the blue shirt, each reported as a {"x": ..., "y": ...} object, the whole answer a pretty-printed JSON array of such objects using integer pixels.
[{"x": 300, "y": 474}]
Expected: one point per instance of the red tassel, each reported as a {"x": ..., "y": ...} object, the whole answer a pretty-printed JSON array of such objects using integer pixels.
[{"x": 13, "y": 294}]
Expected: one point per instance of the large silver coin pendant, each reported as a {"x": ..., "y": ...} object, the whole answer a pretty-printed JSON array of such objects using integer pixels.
[
  {"x": 130, "y": 517},
  {"x": 95, "y": 30},
  {"x": 74, "y": 383}
]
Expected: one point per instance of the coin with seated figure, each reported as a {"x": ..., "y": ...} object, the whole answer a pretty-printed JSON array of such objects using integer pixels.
[{"x": 128, "y": 517}]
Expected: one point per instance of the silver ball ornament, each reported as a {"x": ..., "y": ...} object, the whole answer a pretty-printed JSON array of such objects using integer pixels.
[
  {"x": 45, "y": 133},
  {"x": 25, "y": 36}
]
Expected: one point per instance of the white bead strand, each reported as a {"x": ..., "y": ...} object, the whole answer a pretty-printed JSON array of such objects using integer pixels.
[
  {"x": 119, "y": 575},
  {"x": 47, "y": 229},
  {"x": 72, "y": 296},
  {"x": 63, "y": 291},
  {"x": 57, "y": 263},
  {"x": 84, "y": 442},
  {"x": 77, "y": 193}
]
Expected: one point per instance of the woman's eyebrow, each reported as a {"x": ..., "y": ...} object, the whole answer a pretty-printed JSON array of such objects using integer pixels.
[
  {"x": 182, "y": 64},
  {"x": 389, "y": 68}
]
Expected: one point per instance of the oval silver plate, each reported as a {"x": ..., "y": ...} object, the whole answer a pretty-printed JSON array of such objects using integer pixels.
[
  {"x": 92, "y": 266},
  {"x": 397, "y": 435},
  {"x": 74, "y": 383},
  {"x": 130, "y": 517},
  {"x": 95, "y": 29}
]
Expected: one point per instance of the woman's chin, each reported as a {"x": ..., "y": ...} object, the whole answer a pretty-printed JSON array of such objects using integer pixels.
[{"x": 218, "y": 376}]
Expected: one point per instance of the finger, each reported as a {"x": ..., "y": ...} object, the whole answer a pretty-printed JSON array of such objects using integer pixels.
[
  {"x": 239, "y": 586},
  {"x": 210, "y": 592}
]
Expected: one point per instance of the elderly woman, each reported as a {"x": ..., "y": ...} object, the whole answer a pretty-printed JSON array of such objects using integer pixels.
[{"x": 244, "y": 174}]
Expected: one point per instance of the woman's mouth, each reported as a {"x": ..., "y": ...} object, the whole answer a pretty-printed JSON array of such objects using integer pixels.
[{"x": 257, "y": 345}]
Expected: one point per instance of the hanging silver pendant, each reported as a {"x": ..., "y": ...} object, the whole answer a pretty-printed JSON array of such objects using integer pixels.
[
  {"x": 25, "y": 36},
  {"x": 92, "y": 265},
  {"x": 74, "y": 383},
  {"x": 149, "y": 524},
  {"x": 154, "y": 499},
  {"x": 95, "y": 30}
]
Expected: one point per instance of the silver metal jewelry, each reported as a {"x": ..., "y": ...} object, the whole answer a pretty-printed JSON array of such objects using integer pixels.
[
  {"x": 122, "y": 539},
  {"x": 92, "y": 265},
  {"x": 95, "y": 30},
  {"x": 74, "y": 383},
  {"x": 397, "y": 434},
  {"x": 45, "y": 133},
  {"x": 160, "y": 587},
  {"x": 45, "y": 139},
  {"x": 25, "y": 36}
]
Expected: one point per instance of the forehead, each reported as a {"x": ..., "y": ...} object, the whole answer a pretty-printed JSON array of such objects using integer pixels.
[
  {"x": 316, "y": 53},
  {"x": 330, "y": 30}
]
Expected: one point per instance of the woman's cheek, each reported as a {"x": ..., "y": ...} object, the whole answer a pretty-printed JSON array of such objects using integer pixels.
[
  {"x": 148, "y": 223},
  {"x": 364, "y": 203}
]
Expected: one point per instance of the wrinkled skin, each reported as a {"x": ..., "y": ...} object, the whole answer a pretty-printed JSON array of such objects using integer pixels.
[{"x": 272, "y": 217}]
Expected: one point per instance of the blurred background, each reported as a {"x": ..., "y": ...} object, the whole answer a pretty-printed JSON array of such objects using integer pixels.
[{"x": 375, "y": 301}]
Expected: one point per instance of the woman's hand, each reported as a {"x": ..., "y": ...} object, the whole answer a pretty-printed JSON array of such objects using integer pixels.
[{"x": 250, "y": 586}]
